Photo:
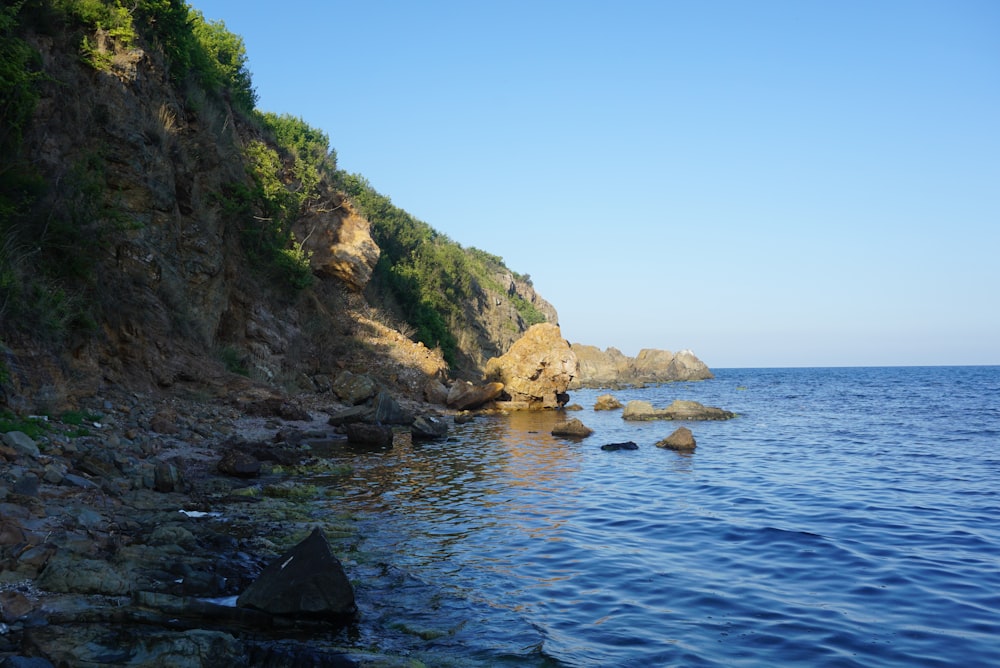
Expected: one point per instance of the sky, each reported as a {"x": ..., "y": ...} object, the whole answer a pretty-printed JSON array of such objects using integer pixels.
[{"x": 766, "y": 183}]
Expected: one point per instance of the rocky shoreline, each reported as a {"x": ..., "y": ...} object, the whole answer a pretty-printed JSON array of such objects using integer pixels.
[{"x": 122, "y": 542}]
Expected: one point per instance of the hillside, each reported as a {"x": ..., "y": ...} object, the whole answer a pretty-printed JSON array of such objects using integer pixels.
[{"x": 157, "y": 231}]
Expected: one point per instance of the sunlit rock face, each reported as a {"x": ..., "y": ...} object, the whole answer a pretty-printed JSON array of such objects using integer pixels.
[{"x": 537, "y": 370}]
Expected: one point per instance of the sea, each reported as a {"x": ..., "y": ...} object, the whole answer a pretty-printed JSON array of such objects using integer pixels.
[{"x": 845, "y": 517}]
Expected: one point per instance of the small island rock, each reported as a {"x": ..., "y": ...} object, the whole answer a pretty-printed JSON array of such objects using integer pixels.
[{"x": 681, "y": 440}]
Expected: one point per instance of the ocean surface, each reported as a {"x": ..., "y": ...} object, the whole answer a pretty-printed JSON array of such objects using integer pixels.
[{"x": 847, "y": 517}]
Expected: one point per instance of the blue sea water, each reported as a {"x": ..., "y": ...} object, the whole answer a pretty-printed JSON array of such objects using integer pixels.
[{"x": 847, "y": 517}]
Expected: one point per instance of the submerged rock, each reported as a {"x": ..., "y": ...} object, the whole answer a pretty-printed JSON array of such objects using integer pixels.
[
  {"x": 308, "y": 581},
  {"x": 361, "y": 433}
]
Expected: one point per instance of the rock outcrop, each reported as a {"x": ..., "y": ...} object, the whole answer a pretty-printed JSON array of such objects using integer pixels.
[
  {"x": 611, "y": 368},
  {"x": 537, "y": 370}
]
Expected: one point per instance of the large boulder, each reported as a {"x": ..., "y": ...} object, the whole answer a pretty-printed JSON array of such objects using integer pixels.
[
  {"x": 307, "y": 581},
  {"x": 606, "y": 368},
  {"x": 338, "y": 242},
  {"x": 463, "y": 395},
  {"x": 538, "y": 368}
]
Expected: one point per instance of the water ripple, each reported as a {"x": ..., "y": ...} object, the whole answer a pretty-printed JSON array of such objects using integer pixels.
[{"x": 837, "y": 522}]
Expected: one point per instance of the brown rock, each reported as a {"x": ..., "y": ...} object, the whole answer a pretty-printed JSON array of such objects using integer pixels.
[
  {"x": 682, "y": 439},
  {"x": 572, "y": 428},
  {"x": 607, "y": 402},
  {"x": 537, "y": 369},
  {"x": 463, "y": 395},
  {"x": 678, "y": 410}
]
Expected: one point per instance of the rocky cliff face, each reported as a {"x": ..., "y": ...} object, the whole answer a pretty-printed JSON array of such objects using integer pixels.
[
  {"x": 611, "y": 368},
  {"x": 176, "y": 300},
  {"x": 496, "y": 318}
]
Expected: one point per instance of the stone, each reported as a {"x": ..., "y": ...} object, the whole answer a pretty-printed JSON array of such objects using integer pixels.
[
  {"x": 166, "y": 478},
  {"x": 436, "y": 392},
  {"x": 387, "y": 410},
  {"x": 21, "y": 443},
  {"x": 26, "y": 485},
  {"x": 361, "y": 433},
  {"x": 349, "y": 415},
  {"x": 354, "y": 389},
  {"x": 67, "y": 573},
  {"x": 164, "y": 422},
  {"x": 606, "y": 402},
  {"x": 572, "y": 428},
  {"x": 614, "y": 447},
  {"x": 307, "y": 581},
  {"x": 678, "y": 410},
  {"x": 538, "y": 368},
  {"x": 428, "y": 428},
  {"x": 681, "y": 439},
  {"x": 463, "y": 395},
  {"x": 239, "y": 464},
  {"x": 338, "y": 242}
]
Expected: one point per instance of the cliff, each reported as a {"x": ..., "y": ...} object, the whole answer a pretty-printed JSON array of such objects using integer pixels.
[{"x": 158, "y": 234}]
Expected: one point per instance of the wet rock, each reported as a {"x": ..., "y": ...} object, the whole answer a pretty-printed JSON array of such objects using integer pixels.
[
  {"x": 428, "y": 428},
  {"x": 387, "y": 410},
  {"x": 678, "y": 410},
  {"x": 682, "y": 440},
  {"x": 607, "y": 402},
  {"x": 172, "y": 534},
  {"x": 353, "y": 388},
  {"x": 361, "y": 433},
  {"x": 572, "y": 428},
  {"x": 73, "y": 480},
  {"x": 614, "y": 447},
  {"x": 21, "y": 443},
  {"x": 239, "y": 464},
  {"x": 306, "y": 581}
]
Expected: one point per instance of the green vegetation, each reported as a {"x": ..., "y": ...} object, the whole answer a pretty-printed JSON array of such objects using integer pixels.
[
  {"x": 427, "y": 274},
  {"x": 53, "y": 235},
  {"x": 33, "y": 427}
]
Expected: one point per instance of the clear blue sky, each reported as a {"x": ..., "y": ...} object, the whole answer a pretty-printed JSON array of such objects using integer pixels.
[{"x": 767, "y": 183}]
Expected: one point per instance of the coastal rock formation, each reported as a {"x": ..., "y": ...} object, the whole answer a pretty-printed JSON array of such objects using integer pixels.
[
  {"x": 678, "y": 410},
  {"x": 611, "y": 368},
  {"x": 537, "y": 370},
  {"x": 615, "y": 447}
]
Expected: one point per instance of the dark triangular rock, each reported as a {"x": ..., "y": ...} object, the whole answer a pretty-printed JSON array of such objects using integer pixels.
[{"x": 306, "y": 581}]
